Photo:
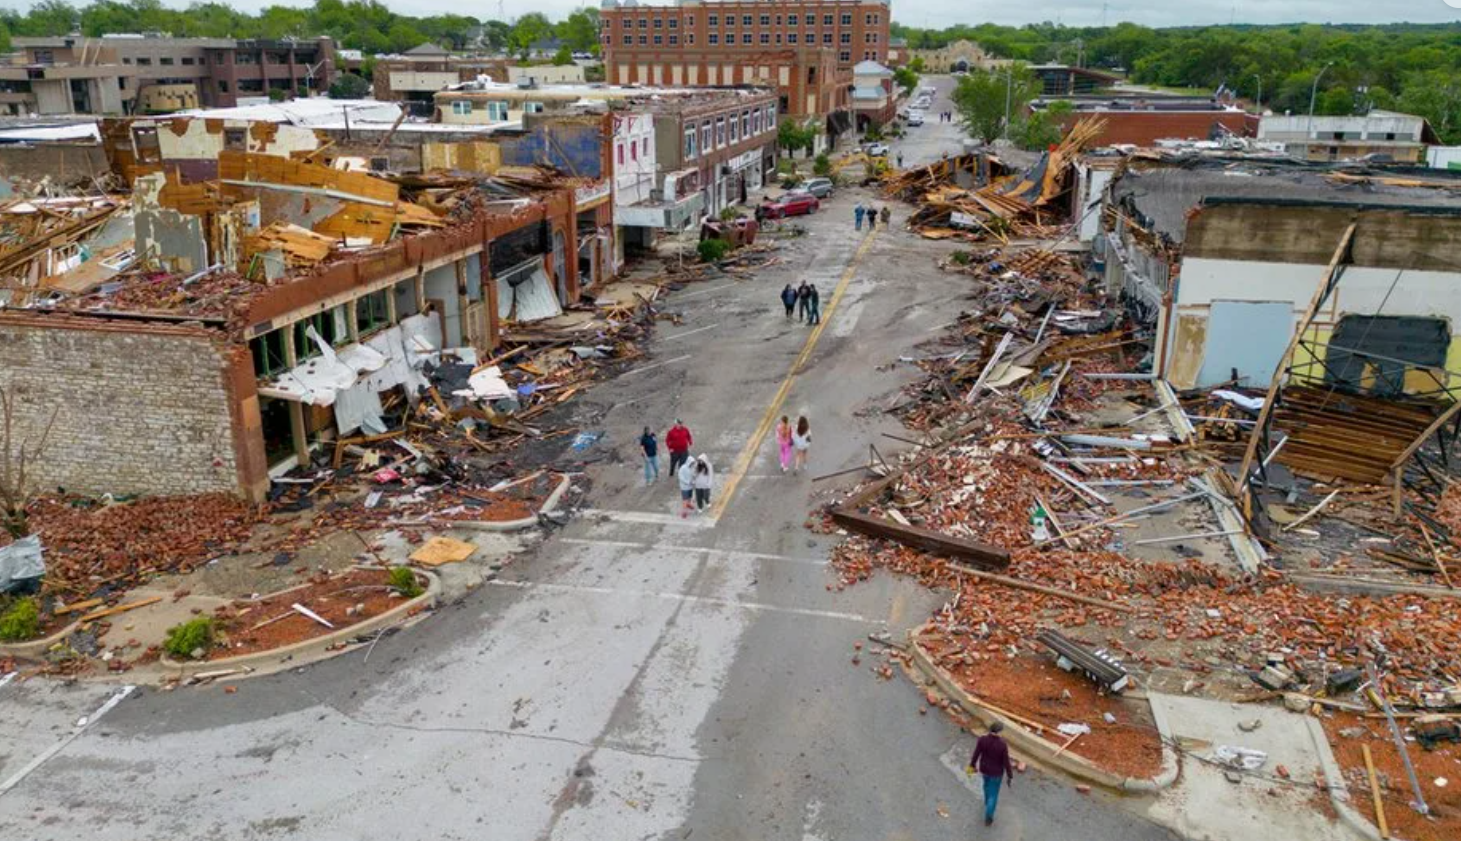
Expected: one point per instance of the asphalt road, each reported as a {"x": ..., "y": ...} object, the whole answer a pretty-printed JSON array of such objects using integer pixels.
[{"x": 637, "y": 676}]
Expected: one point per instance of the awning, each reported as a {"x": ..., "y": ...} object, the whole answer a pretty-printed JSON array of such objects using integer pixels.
[{"x": 525, "y": 293}]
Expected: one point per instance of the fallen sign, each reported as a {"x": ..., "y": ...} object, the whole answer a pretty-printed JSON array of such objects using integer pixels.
[
  {"x": 979, "y": 554},
  {"x": 1095, "y": 664}
]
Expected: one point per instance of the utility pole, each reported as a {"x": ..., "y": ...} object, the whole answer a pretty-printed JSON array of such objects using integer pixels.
[
  {"x": 1009, "y": 83},
  {"x": 1259, "y": 77},
  {"x": 1105, "y": 7},
  {"x": 1313, "y": 96}
]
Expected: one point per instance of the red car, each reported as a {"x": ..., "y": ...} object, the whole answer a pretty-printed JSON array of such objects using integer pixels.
[{"x": 792, "y": 204}]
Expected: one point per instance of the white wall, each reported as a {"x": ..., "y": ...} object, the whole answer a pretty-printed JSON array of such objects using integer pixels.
[
  {"x": 1444, "y": 157},
  {"x": 634, "y": 180},
  {"x": 1360, "y": 290}
]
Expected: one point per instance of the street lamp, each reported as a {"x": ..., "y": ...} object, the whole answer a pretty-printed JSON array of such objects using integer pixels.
[
  {"x": 1259, "y": 77},
  {"x": 1313, "y": 95},
  {"x": 1009, "y": 81}
]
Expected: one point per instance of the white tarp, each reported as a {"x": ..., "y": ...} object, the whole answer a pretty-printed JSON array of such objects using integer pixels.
[
  {"x": 319, "y": 381},
  {"x": 486, "y": 384},
  {"x": 21, "y": 561},
  {"x": 354, "y": 405}
]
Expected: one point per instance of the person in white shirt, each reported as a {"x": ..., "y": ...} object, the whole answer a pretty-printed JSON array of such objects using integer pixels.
[
  {"x": 686, "y": 476},
  {"x": 703, "y": 481},
  {"x": 801, "y": 444}
]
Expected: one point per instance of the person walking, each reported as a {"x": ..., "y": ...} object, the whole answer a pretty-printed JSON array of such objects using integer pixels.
[
  {"x": 703, "y": 481},
  {"x": 678, "y": 440},
  {"x": 783, "y": 442},
  {"x": 801, "y": 444},
  {"x": 686, "y": 477},
  {"x": 886, "y": 214},
  {"x": 872, "y": 218},
  {"x": 814, "y": 305},
  {"x": 803, "y": 301},
  {"x": 788, "y": 298},
  {"x": 900, "y": 160},
  {"x": 992, "y": 760},
  {"x": 857, "y": 214},
  {"x": 649, "y": 444}
]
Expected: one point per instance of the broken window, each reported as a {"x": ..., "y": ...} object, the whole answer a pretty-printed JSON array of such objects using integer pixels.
[
  {"x": 144, "y": 141},
  {"x": 236, "y": 139},
  {"x": 326, "y": 323},
  {"x": 373, "y": 312},
  {"x": 268, "y": 352},
  {"x": 1378, "y": 354}
]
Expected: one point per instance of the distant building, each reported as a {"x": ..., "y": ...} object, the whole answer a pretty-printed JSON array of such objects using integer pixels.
[
  {"x": 804, "y": 48},
  {"x": 1064, "y": 80},
  {"x": 1385, "y": 135},
  {"x": 545, "y": 74},
  {"x": 958, "y": 57},
  {"x": 898, "y": 53},
  {"x": 124, "y": 74},
  {"x": 1144, "y": 121},
  {"x": 415, "y": 76},
  {"x": 874, "y": 101}
]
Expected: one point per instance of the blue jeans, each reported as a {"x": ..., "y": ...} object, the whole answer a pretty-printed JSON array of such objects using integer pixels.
[
  {"x": 651, "y": 469},
  {"x": 991, "y": 796},
  {"x": 859, "y": 223}
]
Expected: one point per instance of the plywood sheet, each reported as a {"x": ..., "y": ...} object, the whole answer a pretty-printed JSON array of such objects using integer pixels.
[{"x": 442, "y": 550}]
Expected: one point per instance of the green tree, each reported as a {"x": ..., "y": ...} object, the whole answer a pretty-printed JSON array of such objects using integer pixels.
[
  {"x": 916, "y": 65},
  {"x": 529, "y": 30},
  {"x": 791, "y": 136},
  {"x": 980, "y": 100},
  {"x": 349, "y": 86},
  {"x": 580, "y": 31},
  {"x": 906, "y": 78},
  {"x": 497, "y": 34},
  {"x": 49, "y": 17},
  {"x": 563, "y": 57}
]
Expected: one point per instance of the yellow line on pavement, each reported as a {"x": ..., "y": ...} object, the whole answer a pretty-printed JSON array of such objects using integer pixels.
[{"x": 748, "y": 453}]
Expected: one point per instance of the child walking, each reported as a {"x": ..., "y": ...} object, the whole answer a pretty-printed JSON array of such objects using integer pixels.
[{"x": 783, "y": 442}]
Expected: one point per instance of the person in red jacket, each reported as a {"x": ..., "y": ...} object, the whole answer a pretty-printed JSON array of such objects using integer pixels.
[
  {"x": 678, "y": 441},
  {"x": 992, "y": 760}
]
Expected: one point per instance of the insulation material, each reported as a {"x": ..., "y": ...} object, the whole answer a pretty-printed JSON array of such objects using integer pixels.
[
  {"x": 301, "y": 246},
  {"x": 486, "y": 384},
  {"x": 264, "y": 169},
  {"x": 373, "y": 223},
  {"x": 354, "y": 405}
]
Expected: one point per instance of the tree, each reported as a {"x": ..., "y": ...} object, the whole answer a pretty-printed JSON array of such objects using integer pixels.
[
  {"x": 529, "y": 30},
  {"x": 18, "y": 458},
  {"x": 580, "y": 31},
  {"x": 349, "y": 86},
  {"x": 916, "y": 65},
  {"x": 791, "y": 136},
  {"x": 906, "y": 78},
  {"x": 496, "y": 34},
  {"x": 980, "y": 100},
  {"x": 564, "y": 56}
]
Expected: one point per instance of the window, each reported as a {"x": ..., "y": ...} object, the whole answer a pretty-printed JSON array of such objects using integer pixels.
[
  {"x": 689, "y": 23},
  {"x": 714, "y": 38},
  {"x": 497, "y": 110},
  {"x": 791, "y": 37},
  {"x": 765, "y": 38},
  {"x": 325, "y": 324},
  {"x": 218, "y": 58},
  {"x": 658, "y": 39},
  {"x": 844, "y": 56},
  {"x": 746, "y": 38},
  {"x": 689, "y": 37},
  {"x": 756, "y": 121},
  {"x": 644, "y": 146},
  {"x": 720, "y": 132},
  {"x": 745, "y": 124},
  {"x": 791, "y": 20},
  {"x": 222, "y": 86},
  {"x": 659, "y": 23},
  {"x": 644, "y": 23},
  {"x": 765, "y": 20},
  {"x": 372, "y": 312},
  {"x": 633, "y": 151},
  {"x": 236, "y": 139},
  {"x": 619, "y": 152},
  {"x": 188, "y": 60},
  {"x": 826, "y": 20},
  {"x": 628, "y": 40},
  {"x": 127, "y": 60},
  {"x": 871, "y": 19},
  {"x": 674, "y": 23},
  {"x": 715, "y": 20},
  {"x": 731, "y": 132},
  {"x": 846, "y": 38},
  {"x": 706, "y": 137},
  {"x": 778, "y": 20},
  {"x": 689, "y": 143},
  {"x": 826, "y": 38},
  {"x": 643, "y": 39},
  {"x": 847, "y": 19},
  {"x": 745, "y": 20},
  {"x": 461, "y": 108},
  {"x": 268, "y": 352},
  {"x": 674, "y": 40},
  {"x": 144, "y": 62},
  {"x": 532, "y": 107},
  {"x": 165, "y": 61}
]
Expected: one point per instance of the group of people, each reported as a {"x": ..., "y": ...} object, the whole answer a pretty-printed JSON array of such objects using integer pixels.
[
  {"x": 805, "y": 299},
  {"x": 696, "y": 476},
  {"x": 871, "y": 214},
  {"x": 793, "y": 443},
  {"x": 946, "y": 116}
]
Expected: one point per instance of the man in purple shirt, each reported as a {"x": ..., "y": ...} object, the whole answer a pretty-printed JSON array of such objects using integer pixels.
[{"x": 992, "y": 760}]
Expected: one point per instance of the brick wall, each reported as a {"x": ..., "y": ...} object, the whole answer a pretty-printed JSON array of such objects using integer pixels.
[{"x": 141, "y": 408}]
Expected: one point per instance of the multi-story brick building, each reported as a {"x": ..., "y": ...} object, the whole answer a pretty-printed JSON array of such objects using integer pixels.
[
  {"x": 124, "y": 74},
  {"x": 805, "y": 48}
]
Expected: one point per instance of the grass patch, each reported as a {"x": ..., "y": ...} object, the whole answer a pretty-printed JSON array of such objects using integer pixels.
[
  {"x": 713, "y": 250},
  {"x": 403, "y": 580},
  {"x": 21, "y": 621},
  {"x": 182, "y": 640}
]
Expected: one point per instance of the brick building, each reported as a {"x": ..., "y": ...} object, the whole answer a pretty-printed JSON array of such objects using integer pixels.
[
  {"x": 141, "y": 74},
  {"x": 806, "y": 49},
  {"x": 1143, "y": 122},
  {"x": 414, "y": 77}
]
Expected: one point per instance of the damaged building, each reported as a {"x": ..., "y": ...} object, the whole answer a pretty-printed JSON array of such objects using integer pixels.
[{"x": 257, "y": 295}]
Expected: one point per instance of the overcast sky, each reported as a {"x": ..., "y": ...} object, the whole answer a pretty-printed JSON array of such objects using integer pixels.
[{"x": 1070, "y": 12}]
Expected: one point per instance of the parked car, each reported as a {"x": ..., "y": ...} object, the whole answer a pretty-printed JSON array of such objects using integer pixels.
[
  {"x": 915, "y": 118},
  {"x": 877, "y": 150},
  {"x": 819, "y": 187},
  {"x": 792, "y": 204}
]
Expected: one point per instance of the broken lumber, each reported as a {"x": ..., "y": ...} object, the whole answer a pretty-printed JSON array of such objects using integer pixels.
[
  {"x": 72, "y": 608},
  {"x": 121, "y": 608},
  {"x": 1375, "y": 791},
  {"x": 1042, "y": 589},
  {"x": 980, "y": 554}
]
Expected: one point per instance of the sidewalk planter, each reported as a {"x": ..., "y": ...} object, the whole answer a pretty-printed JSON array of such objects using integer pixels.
[
  {"x": 1042, "y": 751},
  {"x": 549, "y": 505},
  {"x": 307, "y": 651},
  {"x": 36, "y": 649}
]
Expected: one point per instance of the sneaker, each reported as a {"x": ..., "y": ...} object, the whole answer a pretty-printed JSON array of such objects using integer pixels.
[{"x": 989, "y": 821}]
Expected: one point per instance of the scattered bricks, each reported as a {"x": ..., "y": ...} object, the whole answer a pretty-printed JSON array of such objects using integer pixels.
[
  {"x": 1282, "y": 771},
  {"x": 1083, "y": 788},
  {"x": 180, "y": 593},
  {"x": 229, "y": 690}
]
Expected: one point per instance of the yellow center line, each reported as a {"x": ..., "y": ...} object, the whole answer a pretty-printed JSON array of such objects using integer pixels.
[{"x": 748, "y": 453}]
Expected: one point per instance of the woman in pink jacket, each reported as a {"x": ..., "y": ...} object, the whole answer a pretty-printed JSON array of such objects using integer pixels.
[{"x": 783, "y": 442}]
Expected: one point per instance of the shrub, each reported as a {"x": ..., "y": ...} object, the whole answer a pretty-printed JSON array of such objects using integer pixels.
[
  {"x": 21, "y": 621},
  {"x": 962, "y": 258},
  {"x": 403, "y": 580},
  {"x": 182, "y": 640},
  {"x": 730, "y": 214},
  {"x": 822, "y": 165},
  {"x": 713, "y": 250}
]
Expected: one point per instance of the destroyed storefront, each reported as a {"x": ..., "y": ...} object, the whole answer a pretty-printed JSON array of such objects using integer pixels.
[{"x": 239, "y": 320}]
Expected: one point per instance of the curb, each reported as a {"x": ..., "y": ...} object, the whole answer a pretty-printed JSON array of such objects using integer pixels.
[
  {"x": 313, "y": 650},
  {"x": 549, "y": 505},
  {"x": 1334, "y": 779},
  {"x": 1041, "y": 750},
  {"x": 36, "y": 649}
]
